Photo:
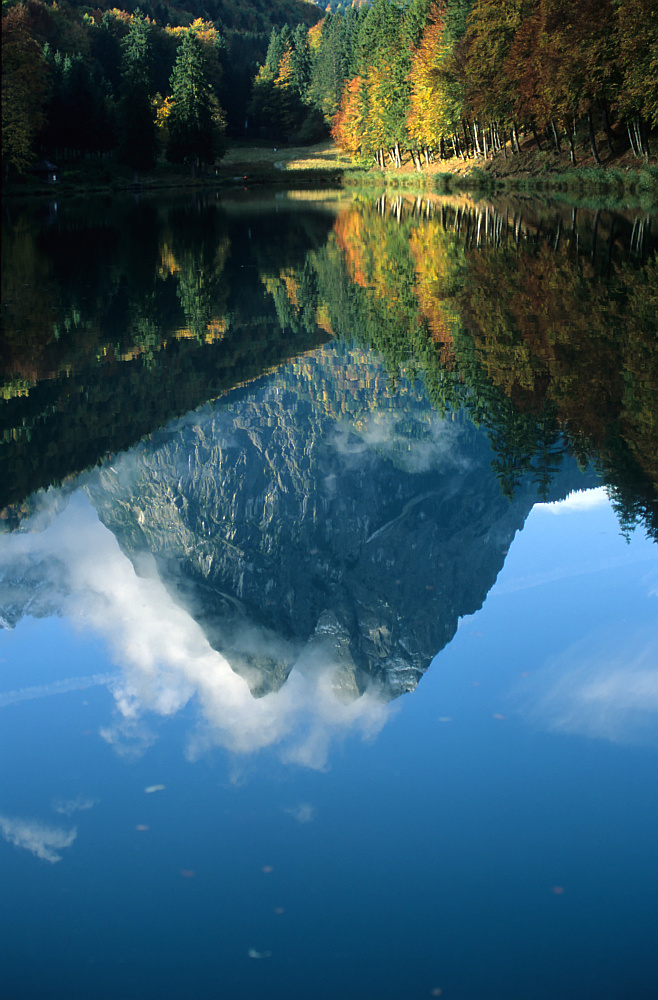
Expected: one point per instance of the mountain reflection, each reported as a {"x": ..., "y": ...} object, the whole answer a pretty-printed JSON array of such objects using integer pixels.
[
  {"x": 295, "y": 553},
  {"x": 292, "y": 564}
]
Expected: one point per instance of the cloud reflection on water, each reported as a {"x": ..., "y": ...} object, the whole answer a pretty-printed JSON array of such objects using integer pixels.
[
  {"x": 604, "y": 687},
  {"x": 39, "y": 839},
  {"x": 166, "y": 660}
]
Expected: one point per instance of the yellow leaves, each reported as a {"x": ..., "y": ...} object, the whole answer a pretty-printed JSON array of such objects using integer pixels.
[
  {"x": 168, "y": 263},
  {"x": 314, "y": 36},
  {"x": 283, "y": 77},
  {"x": 287, "y": 276},
  {"x": 120, "y": 15},
  {"x": 322, "y": 318},
  {"x": 205, "y": 31},
  {"x": 162, "y": 110},
  {"x": 430, "y": 101}
]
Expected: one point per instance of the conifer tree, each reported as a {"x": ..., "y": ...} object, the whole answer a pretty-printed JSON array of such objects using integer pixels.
[
  {"x": 195, "y": 119},
  {"x": 137, "y": 137},
  {"x": 300, "y": 61}
]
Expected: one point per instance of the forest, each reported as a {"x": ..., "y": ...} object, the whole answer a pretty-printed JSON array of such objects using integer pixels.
[{"x": 390, "y": 81}]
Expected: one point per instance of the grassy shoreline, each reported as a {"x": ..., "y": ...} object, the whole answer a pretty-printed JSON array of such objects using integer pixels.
[{"x": 247, "y": 165}]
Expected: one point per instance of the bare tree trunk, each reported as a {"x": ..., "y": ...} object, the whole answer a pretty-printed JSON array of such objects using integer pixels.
[
  {"x": 536, "y": 137},
  {"x": 642, "y": 135},
  {"x": 556, "y": 138},
  {"x": 606, "y": 124},
  {"x": 476, "y": 139},
  {"x": 574, "y": 232},
  {"x": 503, "y": 144},
  {"x": 631, "y": 138},
  {"x": 515, "y": 133},
  {"x": 466, "y": 152},
  {"x": 608, "y": 249},
  {"x": 572, "y": 145},
  {"x": 595, "y": 230},
  {"x": 592, "y": 137}
]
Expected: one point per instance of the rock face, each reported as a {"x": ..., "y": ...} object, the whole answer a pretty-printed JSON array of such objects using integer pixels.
[{"x": 320, "y": 516}]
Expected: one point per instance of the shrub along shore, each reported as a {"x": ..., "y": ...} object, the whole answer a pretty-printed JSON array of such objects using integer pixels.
[{"x": 250, "y": 164}]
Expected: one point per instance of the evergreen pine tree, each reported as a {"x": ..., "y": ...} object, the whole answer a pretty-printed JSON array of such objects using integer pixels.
[
  {"x": 300, "y": 62},
  {"x": 137, "y": 137},
  {"x": 195, "y": 120}
]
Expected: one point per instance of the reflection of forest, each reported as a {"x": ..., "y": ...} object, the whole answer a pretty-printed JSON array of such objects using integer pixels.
[
  {"x": 136, "y": 313},
  {"x": 539, "y": 322},
  {"x": 542, "y": 327}
]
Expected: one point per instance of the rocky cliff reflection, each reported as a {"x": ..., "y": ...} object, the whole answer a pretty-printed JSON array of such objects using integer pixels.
[{"x": 293, "y": 556}]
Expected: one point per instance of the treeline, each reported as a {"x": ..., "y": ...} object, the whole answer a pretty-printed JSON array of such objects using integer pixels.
[
  {"x": 80, "y": 80},
  {"x": 391, "y": 80},
  {"x": 450, "y": 78},
  {"x": 297, "y": 91}
]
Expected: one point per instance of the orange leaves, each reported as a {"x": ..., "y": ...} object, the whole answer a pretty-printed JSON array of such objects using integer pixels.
[
  {"x": 352, "y": 237},
  {"x": 429, "y": 114},
  {"x": 284, "y": 74},
  {"x": 431, "y": 248},
  {"x": 349, "y": 123}
]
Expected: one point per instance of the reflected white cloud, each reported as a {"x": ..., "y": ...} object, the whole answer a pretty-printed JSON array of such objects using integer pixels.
[
  {"x": 66, "y": 807},
  {"x": 584, "y": 567},
  {"x": 599, "y": 689},
  {"x": 303, "y": 813},
  {"x": 129, "y": 738},
  {"x": 577, "y": 501},
  {"x": 651, "y": 581},
  {"x": 428, "y": 443},
  {"x": 57, "y": 687},
  {"x": 165, "y": 658},
  {"x": 41, "y": 840}
]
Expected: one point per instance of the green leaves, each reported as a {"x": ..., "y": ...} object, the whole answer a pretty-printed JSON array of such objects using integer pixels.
[{"x": 195, "y": 121}]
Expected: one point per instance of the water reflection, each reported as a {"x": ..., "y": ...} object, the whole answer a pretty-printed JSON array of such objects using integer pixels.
[
  {"x": 38, "y": 838},
  {"x": 604, "y": 686},
  {"x": 164, "y": 656},
  {"x": 289, "y": 566},
  {"x": 273, "y": 568}
]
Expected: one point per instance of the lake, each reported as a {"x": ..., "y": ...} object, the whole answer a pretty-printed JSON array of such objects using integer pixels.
[{"x": 328, "y": 594}]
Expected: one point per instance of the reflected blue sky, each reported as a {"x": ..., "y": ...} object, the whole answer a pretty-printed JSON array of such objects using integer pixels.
[{"x": 498, "y": 830}]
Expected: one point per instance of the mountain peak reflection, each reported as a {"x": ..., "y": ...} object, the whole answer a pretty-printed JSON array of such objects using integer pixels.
[{"x": 290, "y": 566}]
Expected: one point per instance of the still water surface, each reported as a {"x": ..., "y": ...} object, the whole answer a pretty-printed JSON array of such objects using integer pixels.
[{"x": 313, "y": 682}]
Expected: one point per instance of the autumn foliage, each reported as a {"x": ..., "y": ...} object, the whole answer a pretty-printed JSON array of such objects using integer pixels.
[{"x": 547, "y": 67}]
